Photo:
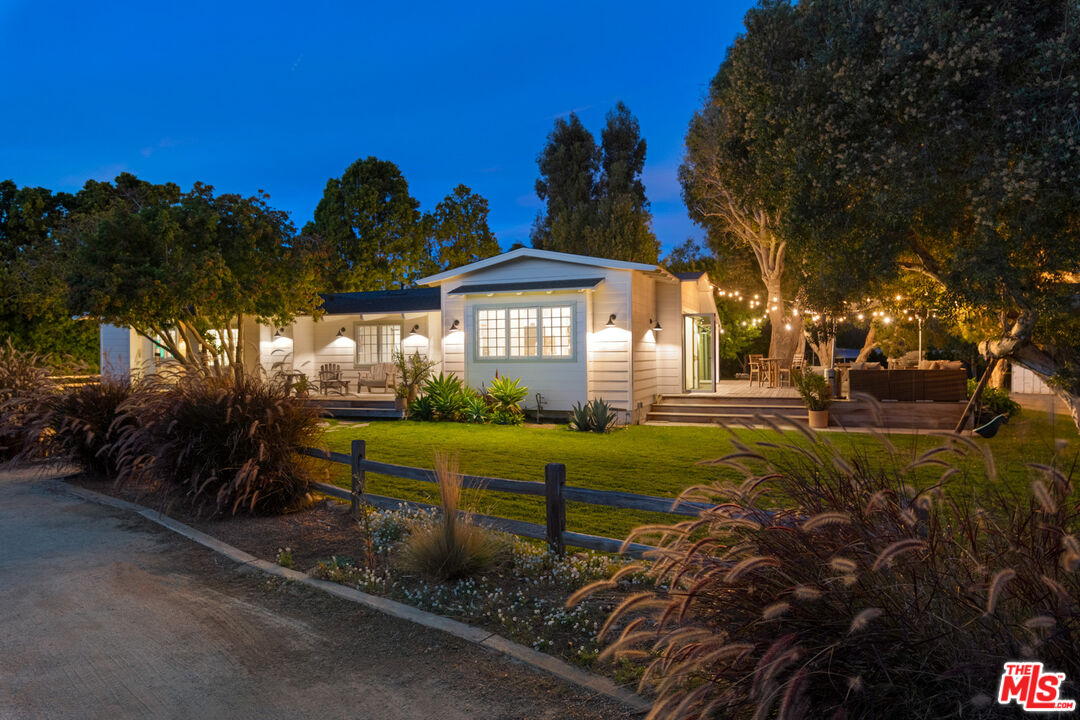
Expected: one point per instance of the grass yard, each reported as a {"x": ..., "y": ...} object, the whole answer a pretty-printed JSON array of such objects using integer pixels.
[{"x": 652, "y": 460}]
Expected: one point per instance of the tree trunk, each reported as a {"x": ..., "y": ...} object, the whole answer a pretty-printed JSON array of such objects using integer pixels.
[
  {"x": 868, "y": 345},
  {"x": 782, "y": 341},
  {"x": 997, "y": 378},
  {"x": 1015, "y": 345}
]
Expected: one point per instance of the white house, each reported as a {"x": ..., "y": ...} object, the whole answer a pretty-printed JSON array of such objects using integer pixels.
[{"x": 572, "y": 327}]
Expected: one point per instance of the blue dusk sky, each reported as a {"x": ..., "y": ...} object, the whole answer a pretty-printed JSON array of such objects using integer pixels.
[{"x": 282, "y": 96}]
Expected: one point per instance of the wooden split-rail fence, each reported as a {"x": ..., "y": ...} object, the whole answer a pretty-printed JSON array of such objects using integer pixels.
[{"x": 553, "y": 489}]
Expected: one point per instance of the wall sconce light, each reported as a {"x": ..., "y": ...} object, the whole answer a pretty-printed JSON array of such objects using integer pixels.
[
  {"x": 655, "y": 325},
  {"x": 341, "y": 332},
  {"x": 456, "y": 325},
  {"x": 414, "y": 329},
  {"x": 277, "y": 332},
  {"x": 610, "y": 321}
]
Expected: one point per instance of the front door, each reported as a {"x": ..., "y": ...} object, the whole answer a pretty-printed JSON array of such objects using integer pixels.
[{"x": 698, "y": 353}]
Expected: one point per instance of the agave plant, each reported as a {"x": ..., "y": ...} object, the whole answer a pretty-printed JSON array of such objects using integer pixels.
[
  {"x": 446, "y": 393},
  {"x": 475, "y": 409},
  {"x": 507, "y": 394},
  {"x": 595, "y": 416},
  {"x": 421, "y": 409}
]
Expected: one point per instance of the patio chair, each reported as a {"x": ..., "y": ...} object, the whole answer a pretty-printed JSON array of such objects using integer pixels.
[
  {"x": 383, "y": 376},
  {"x": 330, "y": 379},
  {"x": 798, "y": 362},
  {"x": 757, "y": 367}
]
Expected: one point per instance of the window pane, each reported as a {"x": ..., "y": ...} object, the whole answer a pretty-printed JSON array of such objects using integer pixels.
[
  {"x": 391, "y": 342},
  {"x": 558, "y": 331},
  {"x": 522, "y": 332},
  {"x": 367, "y": 345},
  {"x": 491, "y": 333}
]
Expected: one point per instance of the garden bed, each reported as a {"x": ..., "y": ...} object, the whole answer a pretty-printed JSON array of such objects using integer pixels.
[{"x": 522, "y": 597}]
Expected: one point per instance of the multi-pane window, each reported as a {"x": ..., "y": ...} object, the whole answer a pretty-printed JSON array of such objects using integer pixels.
[
  {"x": 491, "y": 333},
  {"x": 377, "y": 343},
  {"x": 522, "y": 332},
  {"x": 525, "y": 332},
  {"x": 557, "y": 331}
]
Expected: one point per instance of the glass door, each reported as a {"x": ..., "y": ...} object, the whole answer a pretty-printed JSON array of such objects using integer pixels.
[{"x": 698, "y": 353}]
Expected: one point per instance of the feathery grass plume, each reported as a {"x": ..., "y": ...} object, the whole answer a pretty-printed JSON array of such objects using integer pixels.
[
  {"x": 775, "y": 610},
  {"x": 453, "y": 546},
  {"x": 860, "y": 621},
  {"x": 220, "y": 443},
  {"x": 900, "y": 546},
  {"x": 26, "y": 387},
  {"x": 825, "y": 518},
  {"x": 925, "y": 645},
  {"x": 996, "y": 586},
  {"x": 1040, "y": 622},
  {"x": 1039, "y": 491}
]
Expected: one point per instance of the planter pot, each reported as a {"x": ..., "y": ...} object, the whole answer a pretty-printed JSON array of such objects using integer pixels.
[
  {"x": 400, "y": 404},
  {"x": 818, "y": 418}
]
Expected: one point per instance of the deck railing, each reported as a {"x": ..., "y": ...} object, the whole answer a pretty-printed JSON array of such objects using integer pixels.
[{"x": 553, "y": 489}]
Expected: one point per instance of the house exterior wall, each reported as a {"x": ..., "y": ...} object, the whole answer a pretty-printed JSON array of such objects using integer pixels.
[
  {"x": 610, "y": 356},
  {"x": 645, "y": 352},
  {"x": 115, "y": 354},
  {"x": 1026, "y": 382},
  {"x": 562, "y": 382},
  {"x": 669, "y": 360}
]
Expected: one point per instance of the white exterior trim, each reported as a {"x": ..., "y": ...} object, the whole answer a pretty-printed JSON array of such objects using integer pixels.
[{"x": 540, "y": 255}]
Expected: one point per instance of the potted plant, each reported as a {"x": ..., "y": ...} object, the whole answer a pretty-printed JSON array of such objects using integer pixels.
[
  {"x": 816, "y": 394},
  {"x": 412, "y": 371},
  {"x": 301, "y": 386}
]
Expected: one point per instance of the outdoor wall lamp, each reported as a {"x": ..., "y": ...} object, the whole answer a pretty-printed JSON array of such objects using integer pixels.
[
  {"x": 414, "y": 329},
  {"x": 610, "y": 321},
  {"x": 655, "y": 325},
  {"x": 455, "y": 326},
  {"x": 341, "y": 332},
  {"x": 277, "y": 333}
]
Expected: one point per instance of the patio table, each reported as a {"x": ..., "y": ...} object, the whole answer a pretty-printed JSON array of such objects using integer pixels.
[{"x": 773, "y": 366}]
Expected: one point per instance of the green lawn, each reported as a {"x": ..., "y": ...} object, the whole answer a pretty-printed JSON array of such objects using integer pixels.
[{"x": 650, "y": 460}]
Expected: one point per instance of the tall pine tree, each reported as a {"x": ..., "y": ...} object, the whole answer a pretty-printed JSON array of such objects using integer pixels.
[{"x": 596, "y": 202}]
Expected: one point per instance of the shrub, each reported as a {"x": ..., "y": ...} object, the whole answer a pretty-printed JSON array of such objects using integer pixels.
[
  {"x": 995, "y": 401},
  {"x": 475, "y": 410},
  {"x": 813, "y": 389},
  {"x": 422, "y": 409},
  {"x": 506, "y": 396},
  {"x": 446, "y": 393},
  {"x": 868, "y": 598},
  {"x": 221, "y": 443},
  {"x": 452, "y": 547},
  {"x": 86, "y": 421},
  {"x": 412, "y": 371},
  {"x": 25, "y": 388},
  {"x": 596, "y": 416}
]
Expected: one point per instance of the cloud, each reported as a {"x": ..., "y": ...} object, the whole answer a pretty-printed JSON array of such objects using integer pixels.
[
  {"x": 162, "y": 143},
  {"x": 576, "y": 110},
  {"x": 105, "y": 173}
]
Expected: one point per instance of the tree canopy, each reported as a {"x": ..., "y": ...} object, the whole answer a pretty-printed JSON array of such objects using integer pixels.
[
  {"x": 596, "y": 202},
  {"x": 185, "y": 268},
  {"x": 458, "y": 229},
  {"x": 34, "y": 311},
  {"x": 942, "y": 138},
  {"x": 372, "y": 228}
]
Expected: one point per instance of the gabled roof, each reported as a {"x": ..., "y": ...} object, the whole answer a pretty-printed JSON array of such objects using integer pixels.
[
  {"x": 540, "y": 255},
  {"x": 382, "y": 301}
]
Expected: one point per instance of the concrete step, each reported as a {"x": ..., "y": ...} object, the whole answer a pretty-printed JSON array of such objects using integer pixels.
[
  {"x": 747, "y": 409},
  {"x": 713, "y": 418},
  {"x": 350, "y": 403},
  {"x": 727, "y": 400}
]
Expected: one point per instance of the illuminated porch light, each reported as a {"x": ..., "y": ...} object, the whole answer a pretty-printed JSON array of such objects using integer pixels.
[{"x": 610, "y": 321}]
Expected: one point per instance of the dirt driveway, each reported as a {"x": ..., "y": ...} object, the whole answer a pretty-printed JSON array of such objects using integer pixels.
[{"x": 105, "y": 615}]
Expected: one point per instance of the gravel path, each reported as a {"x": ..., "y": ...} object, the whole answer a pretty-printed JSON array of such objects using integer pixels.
[{"x": 103, "y": 615}]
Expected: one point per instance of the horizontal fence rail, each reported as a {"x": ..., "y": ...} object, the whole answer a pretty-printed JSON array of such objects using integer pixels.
[{"x": 553, "y": 489}]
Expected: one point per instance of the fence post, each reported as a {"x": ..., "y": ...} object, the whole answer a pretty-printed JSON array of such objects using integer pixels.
[
  {"x": 356, "y": 489},
  {"x": 554, "y": 482}
]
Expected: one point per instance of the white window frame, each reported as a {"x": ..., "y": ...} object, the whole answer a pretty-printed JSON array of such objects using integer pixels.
[
  {"x": 537, "y": 312},
  {"x": 380, "y": 330}
]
